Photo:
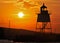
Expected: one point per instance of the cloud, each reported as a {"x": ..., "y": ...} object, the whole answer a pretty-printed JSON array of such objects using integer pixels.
[{"x": 8, "y": 1}]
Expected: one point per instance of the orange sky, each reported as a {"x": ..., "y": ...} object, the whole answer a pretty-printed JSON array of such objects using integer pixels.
[{"x": 10, "y": 8}]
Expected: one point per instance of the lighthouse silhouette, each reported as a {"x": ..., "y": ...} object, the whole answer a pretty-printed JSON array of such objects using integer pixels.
[{"x": 44, "y": 18}]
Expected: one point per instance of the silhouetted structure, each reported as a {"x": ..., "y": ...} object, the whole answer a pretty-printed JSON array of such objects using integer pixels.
[{"x": 44, "y": 17}]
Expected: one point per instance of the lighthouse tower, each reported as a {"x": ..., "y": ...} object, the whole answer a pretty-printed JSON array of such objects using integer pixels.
[{"x": 44, "y": 18}]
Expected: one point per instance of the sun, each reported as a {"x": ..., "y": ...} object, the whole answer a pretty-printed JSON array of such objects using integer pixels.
[{"x": 20, "y": 14}]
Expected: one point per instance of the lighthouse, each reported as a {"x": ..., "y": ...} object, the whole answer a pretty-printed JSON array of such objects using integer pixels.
[{"x": 44, "y": 18}]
